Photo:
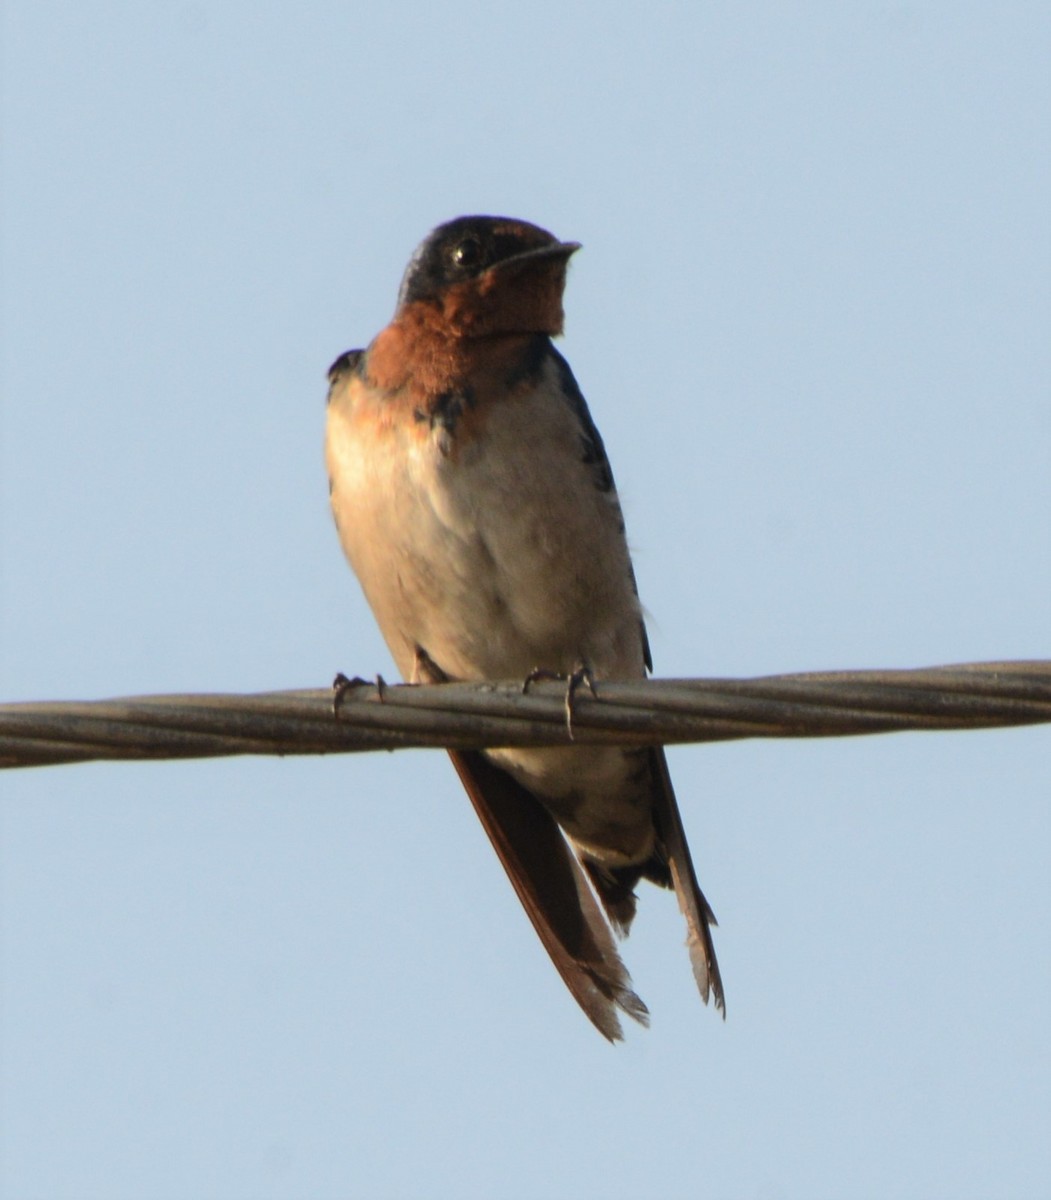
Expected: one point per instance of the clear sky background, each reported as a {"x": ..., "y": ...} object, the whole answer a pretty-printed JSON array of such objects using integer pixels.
[{"x": 811, "y": 317}]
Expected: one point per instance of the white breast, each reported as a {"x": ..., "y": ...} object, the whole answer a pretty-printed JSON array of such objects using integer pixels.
[{"x": 495, "y": 555}]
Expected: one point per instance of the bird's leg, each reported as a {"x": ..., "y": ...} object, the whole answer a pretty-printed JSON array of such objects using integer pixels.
[
  {"x": 580, "y": 676},
  {"x": 426, "y": 670}
]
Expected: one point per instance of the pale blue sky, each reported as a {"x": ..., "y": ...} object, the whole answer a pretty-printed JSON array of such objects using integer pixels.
[{"x": 811, "y": 318}]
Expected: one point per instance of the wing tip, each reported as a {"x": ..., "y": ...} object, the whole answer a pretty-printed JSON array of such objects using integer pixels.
[
  {"x": 706, "y": 972},
  {"x": 604, "y": 1014}
]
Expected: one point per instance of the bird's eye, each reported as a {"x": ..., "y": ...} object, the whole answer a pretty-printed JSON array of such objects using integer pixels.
[{"x": 467, "y": 254}]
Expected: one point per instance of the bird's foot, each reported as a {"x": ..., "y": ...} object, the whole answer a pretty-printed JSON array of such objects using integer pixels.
[
  {"x": 580, "y": 676},
  {"x": 341, "y": 686}
]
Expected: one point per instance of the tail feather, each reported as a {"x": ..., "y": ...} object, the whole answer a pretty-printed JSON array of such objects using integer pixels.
[
  {"x": 695, "y": 908},
  {"x": 554, "y": 891},
  {"x": 615, "y": 886}
]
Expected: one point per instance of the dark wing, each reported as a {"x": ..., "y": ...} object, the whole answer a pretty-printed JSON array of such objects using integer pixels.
[
  {"x": 615, "y": 887},
  {"x": 549, "y": 881},
  {"x": 673, "y": 853},
  {"x": 594, "y": 455},
  {"x": 696, "y": 910},
  {"x": 554, "y": 891},
  {"x": 348, "y": 363}
]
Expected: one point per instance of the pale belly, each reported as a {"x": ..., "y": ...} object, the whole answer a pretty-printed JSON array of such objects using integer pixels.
[{"x": 496, "y": 559}]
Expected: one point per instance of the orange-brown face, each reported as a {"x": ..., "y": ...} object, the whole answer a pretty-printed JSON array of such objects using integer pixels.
[{"x": 478, "y": 276}]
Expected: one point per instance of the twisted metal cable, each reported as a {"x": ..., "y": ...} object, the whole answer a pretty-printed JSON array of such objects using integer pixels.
[{"x": 470, "y": 716}]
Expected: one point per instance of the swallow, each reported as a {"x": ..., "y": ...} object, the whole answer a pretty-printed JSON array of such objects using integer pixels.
[{"x": 474, "y": 500}]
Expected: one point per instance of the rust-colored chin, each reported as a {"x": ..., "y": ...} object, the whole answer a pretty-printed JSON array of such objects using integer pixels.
[
  {"x": 434, "y": 345},
  {"x": 519, "y": 295}
]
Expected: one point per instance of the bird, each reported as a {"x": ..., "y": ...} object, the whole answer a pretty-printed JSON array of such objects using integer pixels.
[{"x": 475, "y": 502}]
